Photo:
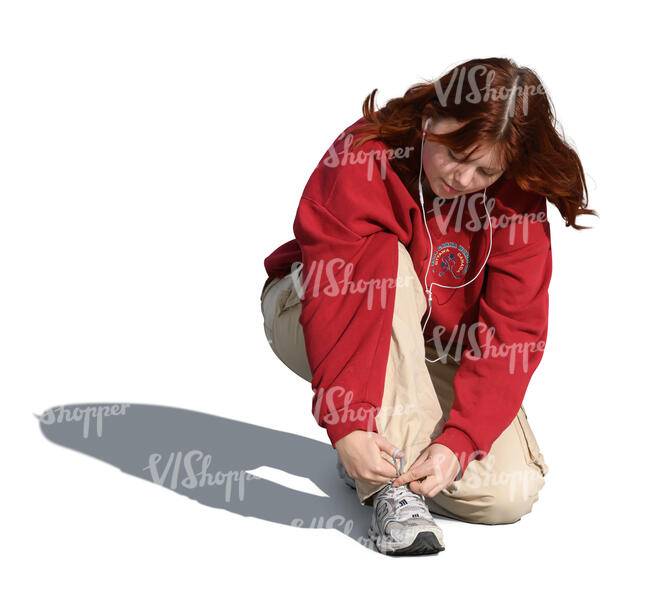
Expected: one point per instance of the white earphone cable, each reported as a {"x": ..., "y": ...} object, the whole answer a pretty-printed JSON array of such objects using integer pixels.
[{"x": 428, "y": 287}]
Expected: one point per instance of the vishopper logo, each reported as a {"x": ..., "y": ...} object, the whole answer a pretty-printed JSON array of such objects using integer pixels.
[
  {"x": 347, "y": 285},
  {"x": 61, "y": 414},
  {"x": 489, "y": 92},
  {"x": 480, "y": 338},
  {"x": 178, "y": 463},
  {"x": 348, "y": 411},
  {"x": 466, "y": 215},
  {"x": 359, "y": 156},
  {"x": 487, "y": 476},
  {"x": 336, "y": 521}
]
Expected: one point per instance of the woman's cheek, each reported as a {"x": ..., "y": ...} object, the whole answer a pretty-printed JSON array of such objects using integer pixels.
[{"x": 443, "y": 166}]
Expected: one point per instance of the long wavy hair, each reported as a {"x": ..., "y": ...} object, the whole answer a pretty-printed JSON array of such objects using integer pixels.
[{"x": 503, "y": 106}]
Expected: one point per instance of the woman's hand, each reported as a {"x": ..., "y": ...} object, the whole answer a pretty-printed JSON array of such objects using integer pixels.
[
  {"x": 437, "y": 466},
  {"x": 360, "y": 454}
]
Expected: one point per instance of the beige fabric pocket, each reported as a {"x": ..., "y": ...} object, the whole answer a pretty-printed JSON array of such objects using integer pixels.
[
  {"x": 529, "y": 441},
  {"x": 292, "y": 287}
]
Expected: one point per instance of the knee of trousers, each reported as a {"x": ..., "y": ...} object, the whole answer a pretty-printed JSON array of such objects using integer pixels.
[
  {"x": 506, "y": 499},
  {"x": 512, "y": 498}
]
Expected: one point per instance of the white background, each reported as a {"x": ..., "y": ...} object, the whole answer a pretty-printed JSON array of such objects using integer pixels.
[{"x": 153, "y": 154}]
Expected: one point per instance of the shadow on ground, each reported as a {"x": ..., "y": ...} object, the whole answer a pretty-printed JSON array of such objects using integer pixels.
[{"x": 205, "y": 458}]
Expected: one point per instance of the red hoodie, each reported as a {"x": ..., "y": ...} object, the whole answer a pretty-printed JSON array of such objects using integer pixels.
[{"x": 348, "y": 222}]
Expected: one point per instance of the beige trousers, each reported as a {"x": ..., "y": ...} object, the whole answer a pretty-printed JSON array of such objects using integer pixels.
[{"x": 417, "y": 398}]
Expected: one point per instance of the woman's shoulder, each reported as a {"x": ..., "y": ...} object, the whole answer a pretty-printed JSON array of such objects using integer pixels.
[
  {"x": 361, "y": 167},
  {"x": 519, "y": 217},
  {"x": 510, "y": 200}
]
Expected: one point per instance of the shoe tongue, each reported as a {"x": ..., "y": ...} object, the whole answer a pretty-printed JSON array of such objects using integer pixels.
[
  {"x": 414, "y": 503},
  {"x": 400, "y": 492}
]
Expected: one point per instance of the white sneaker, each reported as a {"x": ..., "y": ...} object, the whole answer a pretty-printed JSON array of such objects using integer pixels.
[{"x": 401, "y": 523}]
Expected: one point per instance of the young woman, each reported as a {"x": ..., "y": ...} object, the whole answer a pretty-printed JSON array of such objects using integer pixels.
[{"x": 417, "y": 306}]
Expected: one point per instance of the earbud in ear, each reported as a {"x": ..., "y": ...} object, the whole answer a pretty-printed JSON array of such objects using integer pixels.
[{"x": 426, "y": 124}]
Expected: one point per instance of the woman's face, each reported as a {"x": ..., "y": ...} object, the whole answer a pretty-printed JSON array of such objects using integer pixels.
[{"x": 447, "y": 176}]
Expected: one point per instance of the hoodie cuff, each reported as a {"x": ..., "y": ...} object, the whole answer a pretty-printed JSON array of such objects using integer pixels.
[
  {"x": 460, "y": 444},
  {"x": 348, "y": 419}
]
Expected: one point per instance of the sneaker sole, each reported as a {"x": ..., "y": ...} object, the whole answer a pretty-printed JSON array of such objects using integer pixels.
[{"x": 425, "y": 543}]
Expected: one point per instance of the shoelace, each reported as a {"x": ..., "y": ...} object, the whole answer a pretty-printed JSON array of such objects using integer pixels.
[
  {"x": 404, "y": 502},
  {"x": 400, "y": 470}
]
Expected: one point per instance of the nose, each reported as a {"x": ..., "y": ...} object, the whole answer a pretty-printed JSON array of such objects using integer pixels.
[{"x": 462, "y": 178}]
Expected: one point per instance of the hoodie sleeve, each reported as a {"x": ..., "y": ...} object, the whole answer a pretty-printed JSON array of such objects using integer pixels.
[
  {"x": 509, "y": 339},
  {"x": 347, "y": 230}
]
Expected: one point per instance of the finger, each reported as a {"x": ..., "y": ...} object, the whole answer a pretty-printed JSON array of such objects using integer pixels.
[
  {"x": 381, "y": 472},
  {"x": 418, "y": 470},
  {"x": 416, "y": 486},
  {"x": 379, "y": 479},
  {"x": 428, "y": 487},
  {"x": 419, "y": 460},
  {"x": 386, "y": 469},
  {"x": 438, "y": 465},
  {"x": 390, "y": 449},
  {"x": 415, "y": 468}
]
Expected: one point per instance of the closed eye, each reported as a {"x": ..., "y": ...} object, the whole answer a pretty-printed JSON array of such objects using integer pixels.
[
  {"x": 488, "y": 173},
  {"x": 453, "y": 157}
]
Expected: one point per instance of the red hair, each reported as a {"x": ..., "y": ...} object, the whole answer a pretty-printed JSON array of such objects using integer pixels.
[{"x": 503, "y": 106}]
